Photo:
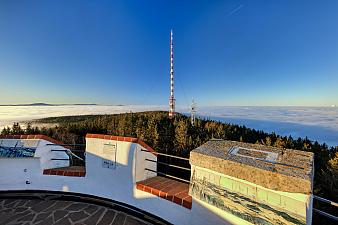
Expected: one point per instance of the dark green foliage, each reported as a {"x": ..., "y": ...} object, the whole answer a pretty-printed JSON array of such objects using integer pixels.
[{"x": 177, "y": 136}]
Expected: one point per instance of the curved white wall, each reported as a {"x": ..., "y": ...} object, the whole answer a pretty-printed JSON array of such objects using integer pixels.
[{"x": 116, "y": 183}]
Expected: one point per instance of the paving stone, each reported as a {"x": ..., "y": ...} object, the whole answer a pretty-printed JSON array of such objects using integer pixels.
[
  {"x": 133, "y": 221},
  {"x": 58, "y": 214},
  {"x": 41, "y": 206},
  {"x": 46, "y": 221},
  {"x": 119, "y": 219},
  {"x": 95, "y": 217},
  {"x": 108, "y": 217},
  {"x": 64, "y": 221},
  {"x": 77, "y": 216},
  {"x": 11, "y": 203},
  {"x": 31, "y": 203},
  {"x": 28, "y": 217},
  {"x": 57, "y": 205},
  {"x": 55, "y": 212},
  {"x": 41, "y": 216},
  {"x": 90, "y": 209},
  {"x": 20, "y": 209},
  {"x": 76, "y": 206},
  {"x": 5, "y": 211},
  {"x": 5, "y": 219}
]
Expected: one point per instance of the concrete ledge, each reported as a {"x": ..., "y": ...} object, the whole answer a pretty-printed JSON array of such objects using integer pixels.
[
  {"x": 72, "y": 171},
  {"x": 171, "y": 190},
  {"x": 30, "y": 136},
  {"x": 292, "y": 171},
  {"x": 125, "y": 139}
]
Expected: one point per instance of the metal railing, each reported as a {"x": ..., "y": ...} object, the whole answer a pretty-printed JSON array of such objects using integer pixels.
[
  {"x": 325, "y": 213},
  {"x": 67, "y": 144},
  {"x": 168, "y": 164},
  {"x": 70, "y": 152}
]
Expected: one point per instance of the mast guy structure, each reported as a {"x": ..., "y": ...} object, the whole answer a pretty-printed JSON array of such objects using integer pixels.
[
  {"x": 171, "y": 98},
  {"x": 193, "y": 112}
]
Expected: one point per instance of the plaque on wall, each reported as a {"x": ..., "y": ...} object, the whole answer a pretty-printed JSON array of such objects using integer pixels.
[{"x": 109, "y": 152}]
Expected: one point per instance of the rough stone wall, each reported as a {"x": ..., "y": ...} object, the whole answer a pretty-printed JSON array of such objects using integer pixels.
[
  {"x": 293, "y": 171},
  {"x": 269, "y": 179},
  {"x": 209, "y": 188}
]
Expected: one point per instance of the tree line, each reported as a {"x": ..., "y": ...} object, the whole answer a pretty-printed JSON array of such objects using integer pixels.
[{"x": 178, "y": 136}]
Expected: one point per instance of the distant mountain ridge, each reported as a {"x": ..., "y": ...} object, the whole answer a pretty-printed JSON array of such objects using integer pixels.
[{"x": 43, "y": 104}]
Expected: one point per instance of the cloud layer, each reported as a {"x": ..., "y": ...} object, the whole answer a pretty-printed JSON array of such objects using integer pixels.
[{"x": 317, "y": 123}]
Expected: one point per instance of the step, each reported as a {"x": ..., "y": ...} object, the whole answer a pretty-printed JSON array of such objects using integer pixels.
[{"x": 171, "y": 190}]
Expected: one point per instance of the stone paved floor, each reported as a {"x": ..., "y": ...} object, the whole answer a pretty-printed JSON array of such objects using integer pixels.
[{"x": 48, "y": 212}]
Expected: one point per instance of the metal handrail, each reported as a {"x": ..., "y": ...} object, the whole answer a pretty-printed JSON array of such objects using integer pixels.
[
  {"x": 326, "y": 214},
  {"x": 167, "y": 164},
  {"x": 67, "y": 144},
  {"x": 66, "y": 150},
  {"x": 325, "y": 200},
  {"x": 173, "y": 156},
  {"x": 166, "y": 175}
]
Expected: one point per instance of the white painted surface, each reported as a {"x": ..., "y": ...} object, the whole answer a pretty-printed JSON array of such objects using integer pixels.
[
  {"x": 46, "y": 155},
  {"x": 43, "y": 151},
  {"x": 118, "y": 184},
  {"x": 16, "y": 171}
]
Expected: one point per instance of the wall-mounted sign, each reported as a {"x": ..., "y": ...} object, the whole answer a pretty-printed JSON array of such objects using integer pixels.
[
  {"x": 109, "y": 152},
  {"x": 108, "y": 164}
]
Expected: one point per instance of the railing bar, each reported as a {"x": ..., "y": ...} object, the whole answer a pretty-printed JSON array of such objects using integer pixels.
[
  {"x": 326, "y": 214},
  {"x": 326, "y": 200},
  {"x": 167, "y": 175},
  {"x": 187, "y": 181},
  {"x": 157, "y": 153},
  {"x": 60, "y": 159},
  {"x": 150, "y": 160},
  {"x": 152, "y": 170},
  {"x": 66, "y": 150},
  {"x": 179, "y": 167},
  {"x": 68, "y": 144}
]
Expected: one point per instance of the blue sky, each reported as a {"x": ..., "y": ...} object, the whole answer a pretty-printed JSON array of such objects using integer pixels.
[{"x": 117, "y": 52}]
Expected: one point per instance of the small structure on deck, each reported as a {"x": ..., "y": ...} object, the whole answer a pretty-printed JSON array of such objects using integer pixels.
[
  {"x": 193, "y": 112},
  {"x": 259, "y": 184}
]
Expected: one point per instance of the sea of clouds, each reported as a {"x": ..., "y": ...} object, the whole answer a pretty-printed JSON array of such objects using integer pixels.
[{"x": 317, "y": 123}]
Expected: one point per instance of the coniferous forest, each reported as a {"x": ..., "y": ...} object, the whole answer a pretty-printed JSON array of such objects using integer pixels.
[{"x": 178, "y": 137}]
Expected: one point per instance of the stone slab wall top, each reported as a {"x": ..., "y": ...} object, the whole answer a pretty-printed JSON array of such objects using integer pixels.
[{"x": 274, "y": 168}]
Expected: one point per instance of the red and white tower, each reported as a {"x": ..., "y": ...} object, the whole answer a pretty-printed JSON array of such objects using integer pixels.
[{"x": 171, "y": 98}]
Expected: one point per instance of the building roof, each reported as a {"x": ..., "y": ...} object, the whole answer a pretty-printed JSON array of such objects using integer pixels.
[{"x": 275, "y": 168}]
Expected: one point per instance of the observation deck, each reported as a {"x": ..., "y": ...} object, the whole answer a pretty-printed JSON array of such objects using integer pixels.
[{"x": 230, "y": 183}]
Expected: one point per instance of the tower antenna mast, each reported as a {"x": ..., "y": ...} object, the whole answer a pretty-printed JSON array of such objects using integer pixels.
[
  {"x": 171, "y": 98},
  {"x": 193, "y": 112}
]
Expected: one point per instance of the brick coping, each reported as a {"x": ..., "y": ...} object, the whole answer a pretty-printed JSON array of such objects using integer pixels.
[
  {"x": 125, "y": 139},
  {"x": 100, "y": 136},
  {"x": 72, "y": 171},
  {"x": 171, "y": 190},
  {"x": 30, "y": 136}
]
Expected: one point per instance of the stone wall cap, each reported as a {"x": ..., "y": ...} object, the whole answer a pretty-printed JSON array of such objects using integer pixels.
[{"x": 288, "y": 162}]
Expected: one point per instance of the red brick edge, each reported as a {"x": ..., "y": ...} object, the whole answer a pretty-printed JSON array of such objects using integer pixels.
[
  {"x": 126, "y": 139},
  {"x": 30, "y": 136},
  {"x": 62, "y": 172},
  {"x": 168, "y": 190},
  {"x": 56, "y": 171}
]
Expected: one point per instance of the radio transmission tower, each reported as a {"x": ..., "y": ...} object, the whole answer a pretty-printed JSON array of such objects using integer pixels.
[
  {"x": 171, "y": 98},
  {"x": 193, "y": 112}
]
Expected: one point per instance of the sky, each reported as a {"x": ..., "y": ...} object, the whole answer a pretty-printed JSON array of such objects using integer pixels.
[{"x": 226, "y": 53}]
